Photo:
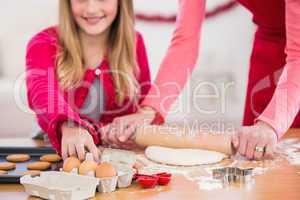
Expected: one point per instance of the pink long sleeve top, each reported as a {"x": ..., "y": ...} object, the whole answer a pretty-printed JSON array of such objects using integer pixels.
[
  {"x": 284, "y": 105},
  {"x": 54, "y": 106},
  {"x": 182, "y": 54}
]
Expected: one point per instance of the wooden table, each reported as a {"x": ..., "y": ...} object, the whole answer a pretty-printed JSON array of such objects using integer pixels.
[{"x": 280, "y": 183}]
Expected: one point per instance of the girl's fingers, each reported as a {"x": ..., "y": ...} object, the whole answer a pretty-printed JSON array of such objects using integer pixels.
[
  {"x": 104, "y": 133},
  {"x": 71, "y": 150},
  {"x": 64, "y": 150},
  {"x": 129, "y": 145},
  {"x": 127, "y": 133},
  {"x": 80, "y": 151},
  {"x": 92, "y": 148},
  {"x": 104, "y": 136},
  {"x": 120, "y": 126},
  {"x": 111, "y": 136}
]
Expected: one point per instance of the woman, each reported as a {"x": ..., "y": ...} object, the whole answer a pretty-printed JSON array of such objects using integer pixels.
[{"x": 269, "y": 111}]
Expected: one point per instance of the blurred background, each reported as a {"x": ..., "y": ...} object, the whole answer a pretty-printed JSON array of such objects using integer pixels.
[{"x": 226, "y": 43}]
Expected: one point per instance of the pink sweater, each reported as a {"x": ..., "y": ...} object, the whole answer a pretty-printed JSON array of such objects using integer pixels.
[
  {"x": 284, "y": 106},
  {"x": 182, "y": 56},
  {"x": 53, "y": 106}
]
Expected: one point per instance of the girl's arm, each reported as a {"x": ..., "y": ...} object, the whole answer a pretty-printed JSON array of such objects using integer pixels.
[
  {"x": 180, "y": 59},
  {"x": 284, "y": 106},
  {"x": 44, "y": 96}
]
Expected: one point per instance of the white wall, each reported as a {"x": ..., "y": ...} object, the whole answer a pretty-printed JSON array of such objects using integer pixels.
[
  {"x": 225, "y": 48},
  {"x": 224, "y": 56}
]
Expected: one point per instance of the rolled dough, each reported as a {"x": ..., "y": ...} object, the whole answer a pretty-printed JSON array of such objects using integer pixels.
[{"x": 183, "y": 157}]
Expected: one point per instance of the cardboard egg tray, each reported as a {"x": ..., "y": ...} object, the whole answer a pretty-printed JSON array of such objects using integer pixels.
[
  {"x": 60, "y": 186},
  {"x": 13, "y": 176},
  {"x": 74, "y": 186}
]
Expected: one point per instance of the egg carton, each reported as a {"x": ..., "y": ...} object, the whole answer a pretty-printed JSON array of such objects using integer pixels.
[
  {"x": 119, "y": 158},
  {"x": 105, "y": 185},
  {"x": 72, "y": 186},
  {"x": 123, "y": 178},
  {"x": 55, "y": 185}
]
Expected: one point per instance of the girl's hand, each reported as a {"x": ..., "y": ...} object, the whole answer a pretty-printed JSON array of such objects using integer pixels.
[
  {"x": 119, "y": 133},
  {"x": 75, "y": 140},
  {"x": 256, "y": 142}
]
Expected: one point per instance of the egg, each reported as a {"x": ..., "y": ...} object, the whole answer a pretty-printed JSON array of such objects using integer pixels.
[
  {"x": 105, "y": 170},
  {"x": 71, "y": 163},
  {"x": 87, "y": 166}
]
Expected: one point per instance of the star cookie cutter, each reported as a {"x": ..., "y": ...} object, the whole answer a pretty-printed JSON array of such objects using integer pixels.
[{"x": 229, "y": 175}]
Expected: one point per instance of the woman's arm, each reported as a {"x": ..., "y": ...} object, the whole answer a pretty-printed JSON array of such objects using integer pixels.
[
  {"x": 284, "y": 106},
  {"x": 180, "y": 59},
  {"x": 44, "y": 96}
]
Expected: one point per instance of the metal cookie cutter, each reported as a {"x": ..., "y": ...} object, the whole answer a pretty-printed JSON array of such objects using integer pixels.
[{"x": 230, "y": 175}]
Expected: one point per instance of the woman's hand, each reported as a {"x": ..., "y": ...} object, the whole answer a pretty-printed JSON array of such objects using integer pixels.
[
  {"x": 75, "y": 141},
  {"x": 119, "y": 133},
  {"x": 256, "y": 142}
]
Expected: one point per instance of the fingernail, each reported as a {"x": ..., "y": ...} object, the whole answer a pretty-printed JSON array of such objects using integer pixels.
[
  {"x": 122, "y": 139},
  {"x": 234, "y": 142}
]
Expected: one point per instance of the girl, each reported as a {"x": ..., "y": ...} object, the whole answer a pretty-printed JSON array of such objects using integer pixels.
[{"x": 86, "y": 71}]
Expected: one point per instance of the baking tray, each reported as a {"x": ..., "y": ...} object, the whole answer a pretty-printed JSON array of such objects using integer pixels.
[{"x": 35, "y": 152}]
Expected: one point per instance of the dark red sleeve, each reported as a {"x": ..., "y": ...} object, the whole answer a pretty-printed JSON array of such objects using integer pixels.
[{"x": 43, "y": 93}]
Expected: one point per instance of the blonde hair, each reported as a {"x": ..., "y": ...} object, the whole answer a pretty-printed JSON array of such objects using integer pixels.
[{"x": 121, "y": 56}]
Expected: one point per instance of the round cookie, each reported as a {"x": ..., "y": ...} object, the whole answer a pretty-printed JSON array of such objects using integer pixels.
[
  {"x": 18, "y": 157},
  {"x": 39, "y": 166},
  {"x": 30, "y": 172},
  {"x": 34, "y": 198},
  {"x": 50, "y": 158},
  {"x": 2, "y": 172},
  {"x": 7, "y": 166}
]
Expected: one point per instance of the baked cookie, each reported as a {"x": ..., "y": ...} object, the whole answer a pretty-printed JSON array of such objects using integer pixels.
[
  {"x": 39, "y": 166},
  {"x": 34, "y": 198},
  {"x": 2, "y": 172},
  {"x": 18, "y": 157},
  {"x": 30, "y": 172},
  {"x": 7, "y": 166},
  {"x": 50, "y": 158}
]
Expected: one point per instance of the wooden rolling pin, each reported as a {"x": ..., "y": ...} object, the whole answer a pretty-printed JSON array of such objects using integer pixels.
[{"x": 180, "y": 137}]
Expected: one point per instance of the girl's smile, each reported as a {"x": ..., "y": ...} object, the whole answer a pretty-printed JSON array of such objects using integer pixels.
[
  {"x": 94, "y": 17},
  {"x": 93, "y": 20}
]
